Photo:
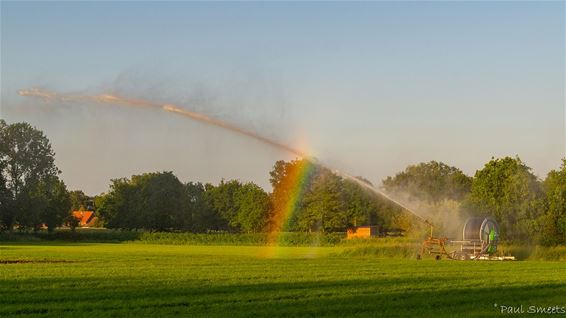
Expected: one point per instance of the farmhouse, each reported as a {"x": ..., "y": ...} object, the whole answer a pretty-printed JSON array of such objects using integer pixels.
[
  {"x": 85, "y": 218},
  {"x": 362, "y": 232}
]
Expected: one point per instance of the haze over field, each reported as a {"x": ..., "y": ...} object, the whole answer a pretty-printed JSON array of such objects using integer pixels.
[{"x": 367, "y": 87}]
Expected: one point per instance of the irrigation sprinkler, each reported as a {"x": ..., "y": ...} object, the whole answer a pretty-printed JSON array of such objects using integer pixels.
[{"x": 480, "y": 237}]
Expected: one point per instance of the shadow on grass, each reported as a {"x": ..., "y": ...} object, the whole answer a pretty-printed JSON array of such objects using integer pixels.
[
  {"x": 34, "y": 261},
  {"x": 383, "y": 297}
]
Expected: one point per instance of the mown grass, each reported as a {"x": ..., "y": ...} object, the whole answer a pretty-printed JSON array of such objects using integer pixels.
[
  {"x": 398, "y": 247},
  {"x": 144, "y": 280},
  {"x": 526, "y": 252},
  {"x": 403, "y": 247}
]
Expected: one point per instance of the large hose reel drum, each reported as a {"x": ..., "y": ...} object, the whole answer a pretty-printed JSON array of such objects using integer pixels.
[{"x": 484, "y": 231}]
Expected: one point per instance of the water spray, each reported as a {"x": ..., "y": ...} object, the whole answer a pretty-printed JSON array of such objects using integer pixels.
[{"x": 50, "y": 96}]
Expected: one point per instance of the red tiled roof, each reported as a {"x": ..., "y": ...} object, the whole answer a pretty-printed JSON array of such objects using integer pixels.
[{"x": 84, "y": 217}]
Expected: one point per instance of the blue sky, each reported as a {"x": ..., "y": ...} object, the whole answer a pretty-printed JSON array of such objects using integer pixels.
[{"x": 370, "y": 87}]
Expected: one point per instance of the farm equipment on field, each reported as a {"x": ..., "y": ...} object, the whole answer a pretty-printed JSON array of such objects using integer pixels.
[{"x": 480, "y": 237}]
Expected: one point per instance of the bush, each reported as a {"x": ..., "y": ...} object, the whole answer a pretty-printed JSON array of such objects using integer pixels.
[
  {"x": 79, "y": 235},
  {"x": 18, "y": 237},
  {"x": 223, "y": 238}
]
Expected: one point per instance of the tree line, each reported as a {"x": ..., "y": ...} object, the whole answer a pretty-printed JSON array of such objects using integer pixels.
[
  {"x": 160, "y": 202},
  {"x": 305, "y": 197},
  {"x": 526, "y": 208}
]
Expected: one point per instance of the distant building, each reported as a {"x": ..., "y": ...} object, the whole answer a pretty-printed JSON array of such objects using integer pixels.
[
  {"x": 85, "y": 218},
  {"x": 362, "y": 232}
]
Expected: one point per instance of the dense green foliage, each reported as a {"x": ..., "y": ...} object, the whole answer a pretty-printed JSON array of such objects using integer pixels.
[
  {"x": 53, "y": 201},
  {"x": 160, "y": 202},
  {"x": 117, "y": 280},
  {"x": 30, "y": 192},
  {"x": 323, "y": 201},
  {"x": 432, "y": 182},
  {"x": 239, "y": 207},
  {"x": 80, "y": 201},
  {"x": 253, "y": 208},
  {"x": 553, "y": 222},
  {"x": 204, "y": 217},
  {"x": 152, "y": 201},
  {"x": 323, "y": 208},
  {"x": 506, "y": 189}
]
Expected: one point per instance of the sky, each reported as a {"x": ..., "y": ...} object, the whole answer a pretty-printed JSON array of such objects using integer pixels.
[{"x": 367, "y": 87}]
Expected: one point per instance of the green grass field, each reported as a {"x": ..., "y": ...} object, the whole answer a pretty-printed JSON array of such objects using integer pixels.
[{"x": 142, "y": 280}]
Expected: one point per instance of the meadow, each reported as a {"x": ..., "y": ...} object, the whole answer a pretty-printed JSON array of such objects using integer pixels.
[{"x": 65, "y": 279}]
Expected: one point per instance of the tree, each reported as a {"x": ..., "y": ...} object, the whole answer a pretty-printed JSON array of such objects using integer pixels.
[
  {"x": 121, "y": 206},
  {"x": 290, "y": 182},
  {"x": 26, "y": 158},
  {"x": 434, "y": 191},
  {"x": 46, "y": 203},
  {"x": 431, "y": 182},
  {"x": 4, "y": 199},
  {"x": 116, "y": 207},
  {"x": 506, "y": 189},
  {"x": 358, "y": 205},
  {"x": 158, "y": 201},
  {"x": 103, "y": 207},
  {"x": 163, "y": 201},
  {"x": 222, "y": 199},
  {"x": 230, "y": 206},
  {"x": 57, "y": 202},
  {"x": 553, "y": 222},
  {"x": 324, "y": 208},
  {"x": 366, "y": 208},
  {"x": 253, "y": 208},
  {"x": 80, "y": 201},
  {"x": 203, "y": 216},
  {"x": 152, "y": 201},
  {"x": 28, "y": 208},
  {"x": 309, "y": 197}
]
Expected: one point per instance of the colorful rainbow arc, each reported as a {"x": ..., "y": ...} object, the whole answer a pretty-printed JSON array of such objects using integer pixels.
[{"x": 292, "y": 190}]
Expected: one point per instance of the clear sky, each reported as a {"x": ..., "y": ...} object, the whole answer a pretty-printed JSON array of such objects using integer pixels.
[{"x": 369, "y": 87}]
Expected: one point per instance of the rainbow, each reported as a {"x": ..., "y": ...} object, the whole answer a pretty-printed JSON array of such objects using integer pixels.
[{"x": 286, "y": 200}]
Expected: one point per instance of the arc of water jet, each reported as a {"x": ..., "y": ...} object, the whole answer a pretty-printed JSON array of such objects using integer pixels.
[
  {"x": 378, "y": 192},
  {"x": 51, "y": 96},
  {"x": 113, "y": 99},
  {"x": 219, "y": 123}
]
